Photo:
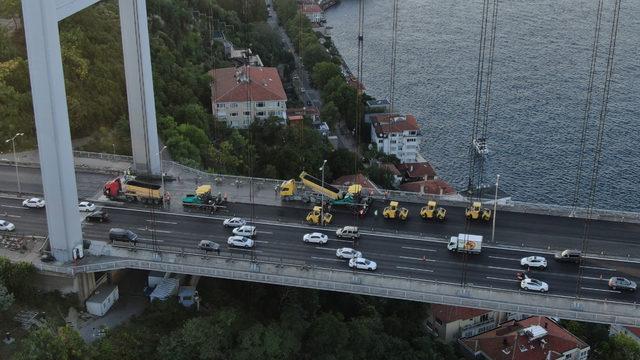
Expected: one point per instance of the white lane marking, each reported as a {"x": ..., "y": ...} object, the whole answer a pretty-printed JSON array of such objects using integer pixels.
[
  {"x": 265, "y": 232},
  {"x": 261, "y": 241},
  {"x": 229, "y": 247},
  {"x": 416, "y": 258},
  {"x": 151, "y": 230},
  {"x": 325, "y": 259},
  {"x": 597, "y": 268},
  {"x": 603, "y": 290},
  {"x": 503, "y": 268},
  {"x": 14, "y": 216},
  {"x": 502, "y": 279},
  {"x": 503, "y": 258},
  {"x": 14, "y": 207},
  {"x": 414, "y": 269},
  {"x": 325, "y": 248},
  {"x": 150, "y": 240},
  {"x": 417, "y": 248},
  {"x": 344, "y": 241},
  {"x": 163, "y": 222},
  {"x": 594, "y": 278}
]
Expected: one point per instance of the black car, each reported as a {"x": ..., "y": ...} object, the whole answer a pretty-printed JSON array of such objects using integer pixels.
[{"x": 98, "y": 216}]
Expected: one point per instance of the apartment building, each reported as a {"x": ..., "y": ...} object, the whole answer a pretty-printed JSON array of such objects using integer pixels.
[
  {"x": 241, "y": 95},
  {"x": 534, "y": 338},
  {"x": 396, "y": 135},
  {"x": 449, "y": 323},
  {"x": 313, "y": 12}
]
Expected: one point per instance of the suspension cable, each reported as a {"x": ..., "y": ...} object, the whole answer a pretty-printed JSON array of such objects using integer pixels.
[
  {"x": 359, "y": 85},
  {"x": 392, "y": 71},
  {"x": 600, "y": 138},
  {"x": 587, "y": 107}
]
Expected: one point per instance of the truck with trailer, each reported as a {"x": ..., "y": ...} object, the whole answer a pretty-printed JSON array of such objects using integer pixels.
[
  {"x": 465, "y": 243},
  {"x": 352, "y": 198},
  {"x": 127, "y": 188},
  {"x": 203, "y": 200}
]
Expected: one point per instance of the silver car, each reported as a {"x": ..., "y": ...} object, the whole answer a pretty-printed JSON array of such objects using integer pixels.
[
  {"x": 245, "y": 230},
  {"x": 6, "y": 226},
  {"x": 316, "y": 238},
  {"x": 240, "y": 241},
  {"x": 362, "y": 264},
  {"x": 347, "y": 253}
]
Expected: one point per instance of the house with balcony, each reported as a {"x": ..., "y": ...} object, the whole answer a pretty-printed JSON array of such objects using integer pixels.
[
  {"x": 536, "y": 337},
  {"x": 396, "y": 135},
  {"x": 449, "y": 323},
  {"x": 313, "y": 12},
  {"x": 241, "y": 95}
]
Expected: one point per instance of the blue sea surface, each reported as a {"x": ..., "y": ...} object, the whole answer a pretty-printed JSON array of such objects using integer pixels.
[{"x": 540, "y": 77}]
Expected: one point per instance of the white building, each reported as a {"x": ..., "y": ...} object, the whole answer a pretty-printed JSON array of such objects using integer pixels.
[
  {"x": 313, "y": 12},
  {"x": 396, "y": 135},
  {"x": 449, "y": 323},
  {"x": 240, "y": 95}
]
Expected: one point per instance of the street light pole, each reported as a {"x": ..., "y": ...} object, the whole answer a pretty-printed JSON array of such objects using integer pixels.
[
  {"x": 322, "y": 195},
  {"x": 15, "y": 158},
  {"x": 162, "y": 172},
  {"x": 495, "y": 206}
]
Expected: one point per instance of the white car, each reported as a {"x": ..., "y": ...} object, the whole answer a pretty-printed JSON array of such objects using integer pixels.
[
  {"x": 534, "y": 285},
  {"x": 537, "y": 262},
  {"x": 6, "y": 226},
  {"x": 86, "y": 206},
  {"x": 316, "y": 238},
  {"x": 240, "y": 241},
  {"x": 234, "y": 222},
  {"x": 33, "y": 203},
  {"x": 347, "y": 253},
  {"x": 362, "y": 263},
  {"x": 245, "y": 230}
]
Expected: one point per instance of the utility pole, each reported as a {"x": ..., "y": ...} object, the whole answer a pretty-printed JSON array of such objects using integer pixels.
[
  {"x": 322, "y": 195},
  {"x": 495, "y": 207},
  {"x": 15, "y": 158}
]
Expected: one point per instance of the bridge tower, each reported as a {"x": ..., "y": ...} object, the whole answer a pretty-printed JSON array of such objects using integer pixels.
[{"x": 41, "y": 19}]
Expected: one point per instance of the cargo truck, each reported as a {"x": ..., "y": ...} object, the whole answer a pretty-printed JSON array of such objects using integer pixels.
[
  {"x": 466, "y": 243},
  {"x": 127, "y": 188}
]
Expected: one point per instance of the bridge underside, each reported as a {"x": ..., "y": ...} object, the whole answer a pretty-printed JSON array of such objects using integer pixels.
[{"x": 276, "y": 272}]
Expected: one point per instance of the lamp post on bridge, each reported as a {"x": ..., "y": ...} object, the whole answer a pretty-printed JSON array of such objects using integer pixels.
[
  {"x": 495, "y": 207},
  {"x": 322, "y": 195},
  {"x": 15, "y": 158}
]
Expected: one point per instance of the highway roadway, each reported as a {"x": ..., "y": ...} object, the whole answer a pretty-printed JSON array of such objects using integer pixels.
[{"x": 406, "y": 256}]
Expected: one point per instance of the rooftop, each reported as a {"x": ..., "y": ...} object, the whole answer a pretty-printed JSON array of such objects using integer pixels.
[
  {"x": 448, "y": 313},
  {"x": 247, "y": 83},
  {"x": 634, "y": 330},
  {"x": 524, "y": 340},
  {"x": 392, "y": 168},
  {"x": 311, "y": 8},
  {"x": 355, "y": 179},
  {"x": 417, "y": 170},
  {"x": 393, "y": 123},
  {"x": 436, "y": 187}
]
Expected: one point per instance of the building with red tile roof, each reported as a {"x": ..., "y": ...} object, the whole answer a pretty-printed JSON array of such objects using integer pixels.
[
  {"x": 417, "y": 171},
  {"x": 534, "y": 338},
  {"x": 313, "y": 12},
  {"x": 396, "y": 135},
  {"x": 630, "y": 331},
  {"x": 449, "y": 323},
  {"x": 239, "y": 95},
  {"x": 435, "y": 187}
]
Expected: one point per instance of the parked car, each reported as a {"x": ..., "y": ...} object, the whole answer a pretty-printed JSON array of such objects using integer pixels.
[
  {"x": 534, "y": 285},
  {"x": 6, "y": 226},
  {"x": 316, "y": 238},
  {"x": 620, "y": 283},
  {"x": 234, "y": 222},
  {"x": 33, "y": 203},
  {"x": 98, "y": 216},
  {"x": 347, "y": 253},
  {"x": 117, "y": 234},
  {"x": 86, "y": 206},
  {"x": 537, "y": 262},
  {"x": 362, "y": 263},
  {"x": 245, "y": 230},
  {"x": 47, "y": 257},
  {"x": 240, "y": 241},
  {"x": 208, "y": 245},
  {"x": 572, "y": 256}
]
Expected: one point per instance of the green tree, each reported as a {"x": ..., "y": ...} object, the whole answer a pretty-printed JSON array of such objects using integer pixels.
[
  {"x": 330, "y": 114},
  {"x": 6, "y": 298},
  {"x": 323, "y": 72},
  {"x": 47, "y": 344},
  {"x": 17, "y": 277},
  {"x": 380, "y": 176},
  {"x": 11, "y": 9},
  {"x": 328, "y": 335},
  {"x": 343, "y": 162},
  {"x": 618, "y": 347},
  {"x": 286, "y": 9}
]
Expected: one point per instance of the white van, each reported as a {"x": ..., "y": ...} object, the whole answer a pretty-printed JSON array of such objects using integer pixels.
[{"x": 349, "y": 232}]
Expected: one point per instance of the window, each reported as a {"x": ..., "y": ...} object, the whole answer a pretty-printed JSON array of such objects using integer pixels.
[
  {"x": 412, "y": 132},
  {"x": 234, "y": 105},
  {"x": 484, "y": 317},
  {"x": 394, "y": 135},
  {"x": 234, "y": 114},
  {"x": 260, "y": 113},
  {"x": 380, "y": 141},
  {"x": 220, "y": 106},
  {"x": 393, "y": 141},
  {"x": 260, "y": 104},
  {"x": 411, "y": 140},
  {"x": 248, "y": 113}
]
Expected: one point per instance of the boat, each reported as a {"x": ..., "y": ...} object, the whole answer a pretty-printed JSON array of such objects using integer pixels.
[{"x": 480, "y": 144}]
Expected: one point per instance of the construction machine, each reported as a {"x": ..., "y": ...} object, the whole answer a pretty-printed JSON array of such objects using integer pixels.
[
  {"x": 394, "y": 211},
  {"x": 433, "y": 212},
  {"x": 203, "y": 199},
  {"x": 477, "y": 212},
  {"x": 314, "y": 216}
]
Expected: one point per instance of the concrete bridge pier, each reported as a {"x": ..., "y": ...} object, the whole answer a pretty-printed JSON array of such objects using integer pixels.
[{"x": 82, "y": 284}]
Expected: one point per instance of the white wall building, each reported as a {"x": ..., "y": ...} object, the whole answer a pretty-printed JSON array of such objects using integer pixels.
[
  {"x": 240, "y": 95},
  {"x": 396, "y": 135},
  {"x": 313, "y": 12}
]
